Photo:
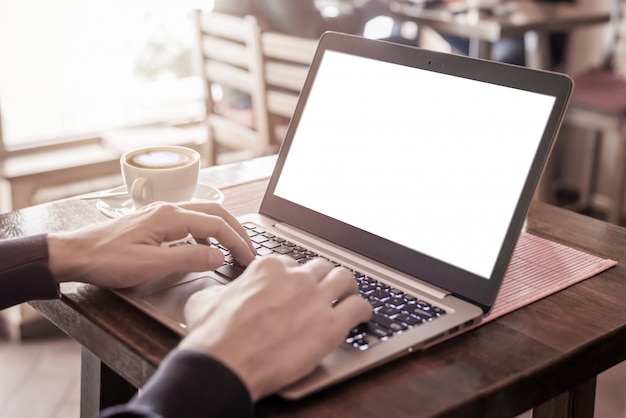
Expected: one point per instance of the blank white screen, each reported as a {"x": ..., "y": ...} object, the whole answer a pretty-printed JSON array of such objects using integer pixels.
[{"x": 433, "y": 162}]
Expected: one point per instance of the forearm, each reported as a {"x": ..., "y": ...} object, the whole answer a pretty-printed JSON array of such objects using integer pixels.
[
  {"x": 189, "y": 384},
  {"x": 24, "y": 271}
]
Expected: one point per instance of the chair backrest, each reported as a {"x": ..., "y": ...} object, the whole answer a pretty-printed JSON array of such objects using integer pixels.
[
  {"x": 231, "y": 64},
  {"x": 286, "y": 61}
]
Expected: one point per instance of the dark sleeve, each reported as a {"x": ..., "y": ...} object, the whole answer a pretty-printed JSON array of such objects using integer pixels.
[
  {"x": 188, "y": 384},
  {"x": 24, "y": 271}
]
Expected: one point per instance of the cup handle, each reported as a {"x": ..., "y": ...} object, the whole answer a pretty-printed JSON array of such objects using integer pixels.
[{"x": 141, "y": 191}]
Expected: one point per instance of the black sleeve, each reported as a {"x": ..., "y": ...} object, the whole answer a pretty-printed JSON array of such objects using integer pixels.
[
  {"x": 188, "y": 384},
  {"x": 24, "y": 271}
]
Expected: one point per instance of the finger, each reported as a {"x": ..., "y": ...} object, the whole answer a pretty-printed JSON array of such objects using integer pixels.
[
  {"x": 317, "y": 268},
  {"x": 192, "y": 258},
  {"x": 207, "y": 295},
  {"x": 172, "y": 222},
  {"x": 269, "y": 265},
  {"x": 200, "y": 303},
  {"x": 204, "y": 296},
  {"x": 203, "y": 225},
  {"x": 338, "y": 284},
  {"x": 239, "y": 244},
  {"x": 222, "y": 212},
  {"x": 154, "y": 261},
  {"x": 350, "y": 312}
]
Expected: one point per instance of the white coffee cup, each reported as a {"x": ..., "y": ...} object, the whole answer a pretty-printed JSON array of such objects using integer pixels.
[{"x": 160, "y": 173}]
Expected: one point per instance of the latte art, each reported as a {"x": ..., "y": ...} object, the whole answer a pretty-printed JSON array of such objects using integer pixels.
[{"x": 160, "y": 159}]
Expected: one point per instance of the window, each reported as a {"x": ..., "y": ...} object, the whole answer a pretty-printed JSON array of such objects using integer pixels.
[{"x": 73, "y": 68}]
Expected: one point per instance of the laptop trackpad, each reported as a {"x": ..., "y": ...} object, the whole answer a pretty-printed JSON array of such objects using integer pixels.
[{"x": 171, "y": 300}]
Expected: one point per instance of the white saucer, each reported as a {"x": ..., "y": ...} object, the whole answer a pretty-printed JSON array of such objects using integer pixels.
[{"x": 117, "y": 206}]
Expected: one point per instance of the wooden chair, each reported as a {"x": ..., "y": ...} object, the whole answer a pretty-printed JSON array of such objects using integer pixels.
[
  {"x": 286, "y": 61},
  {"x": 25, "y": 172},
  {"x": 598, "y": 104},
  {"x": 231, "y": 64}
]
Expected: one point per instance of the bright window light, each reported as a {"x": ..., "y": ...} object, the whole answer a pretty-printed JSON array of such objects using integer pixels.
[{"x": 75, "y": 67}]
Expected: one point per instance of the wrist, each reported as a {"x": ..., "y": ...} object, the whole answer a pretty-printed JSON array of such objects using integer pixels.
[{"x": 65, "y": 261}]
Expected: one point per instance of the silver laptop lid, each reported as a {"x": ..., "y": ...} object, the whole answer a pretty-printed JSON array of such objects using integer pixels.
[{"x": 422, "y": 161}]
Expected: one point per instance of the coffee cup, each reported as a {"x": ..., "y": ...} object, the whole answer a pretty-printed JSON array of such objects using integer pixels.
[{"x": 160, "y": 173}]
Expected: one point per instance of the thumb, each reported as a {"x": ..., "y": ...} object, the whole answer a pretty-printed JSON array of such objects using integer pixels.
[
  {"x": 191, "y": 258},
  {"x": 200, "y": 303}
]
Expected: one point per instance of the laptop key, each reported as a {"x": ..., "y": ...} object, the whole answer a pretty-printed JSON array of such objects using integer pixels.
[
  {"x": 271, "y": 244},
  {"x": 258, "y": 238},
  {"x": 379, "y": 331},
  {"x": 281, "y": 250},
  {"x": 388, "y": 323},
  {"x": 407, "y": 319},
  {"x": 230, "y": 271},
  {"x": 423, "y": 314},
  {"x": 263, "y": 251},
  {"x": 355, "y": 335},
  {"x": 388, "y": 311}
]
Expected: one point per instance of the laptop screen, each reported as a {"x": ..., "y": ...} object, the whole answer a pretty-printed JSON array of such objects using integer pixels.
[
  {"x": 429, "y": 156},
  {"x": 433, "y": 162}
]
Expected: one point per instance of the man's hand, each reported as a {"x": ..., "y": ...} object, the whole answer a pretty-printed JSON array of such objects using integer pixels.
[
  {"x": 277, "y": 321},
  {"x": 127, "y": 251}
]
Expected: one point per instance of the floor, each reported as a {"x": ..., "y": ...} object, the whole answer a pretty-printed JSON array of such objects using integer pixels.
[{"x": 40, "y": 377}]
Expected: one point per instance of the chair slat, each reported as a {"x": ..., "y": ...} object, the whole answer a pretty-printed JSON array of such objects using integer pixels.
[
  {"x": 286, "y": 61},
  {"x": 290, "y": 48},
  {"x": 285, "y": 75},
  {"x": 229, "y": 48}
]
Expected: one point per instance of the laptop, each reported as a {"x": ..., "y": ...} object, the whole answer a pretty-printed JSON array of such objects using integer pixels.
[{"x": 414, "y": 169}]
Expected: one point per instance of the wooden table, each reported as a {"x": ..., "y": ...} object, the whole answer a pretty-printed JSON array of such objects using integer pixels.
[
  {"x": 546, "y": 354},
  {"x": 532, "y": 20}
]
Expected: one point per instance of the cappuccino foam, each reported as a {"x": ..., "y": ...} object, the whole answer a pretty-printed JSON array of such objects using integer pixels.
[{"x": 160, "y": 159}]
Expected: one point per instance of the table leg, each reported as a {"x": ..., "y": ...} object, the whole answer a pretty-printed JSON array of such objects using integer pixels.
[
  {"x": 100, "y": 387},
  {"x": 576, "y": 403}
]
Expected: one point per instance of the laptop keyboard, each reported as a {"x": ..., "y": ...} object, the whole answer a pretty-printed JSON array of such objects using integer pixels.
[{"x": 395, "y": 311}]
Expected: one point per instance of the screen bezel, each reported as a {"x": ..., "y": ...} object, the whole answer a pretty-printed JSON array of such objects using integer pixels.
[{"x": 462, "y": 283}]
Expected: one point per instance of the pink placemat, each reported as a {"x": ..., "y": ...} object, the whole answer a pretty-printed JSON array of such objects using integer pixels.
[{"x": 540, "y": 267}]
